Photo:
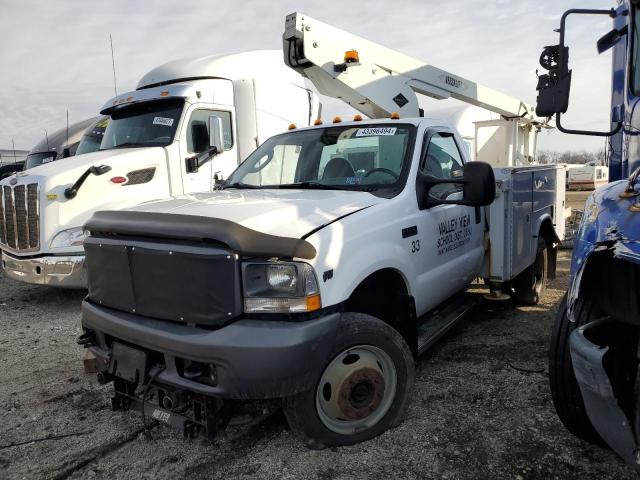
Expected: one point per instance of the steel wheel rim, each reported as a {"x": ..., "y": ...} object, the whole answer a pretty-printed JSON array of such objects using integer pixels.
[{"x": 356, "y": 389}]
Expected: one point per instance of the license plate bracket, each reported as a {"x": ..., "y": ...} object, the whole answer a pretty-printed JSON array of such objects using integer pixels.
[{"x": 128, "y": 363}]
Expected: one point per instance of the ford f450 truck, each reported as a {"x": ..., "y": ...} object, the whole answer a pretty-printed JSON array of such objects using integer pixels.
[
  {"x": 159, "y": 142},
  {"x": 329, "y": 259},
  {"x": 593, "y": 363}
]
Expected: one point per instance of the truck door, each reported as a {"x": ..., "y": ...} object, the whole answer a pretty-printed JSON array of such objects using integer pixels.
[
  {"x": 197, "y": 141},
  {"x": 451, "y": 248}
]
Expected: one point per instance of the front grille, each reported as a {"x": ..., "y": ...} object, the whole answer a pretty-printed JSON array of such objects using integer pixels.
[{"x": 19, "y": 217}]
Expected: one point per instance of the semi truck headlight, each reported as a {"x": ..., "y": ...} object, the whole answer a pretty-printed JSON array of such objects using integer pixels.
[
  {"x": 280, "y": 287},
  {"x": 73, "y": 237}
]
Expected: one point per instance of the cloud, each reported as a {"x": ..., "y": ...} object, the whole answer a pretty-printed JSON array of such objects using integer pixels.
[{"x": 55, "y": 56}]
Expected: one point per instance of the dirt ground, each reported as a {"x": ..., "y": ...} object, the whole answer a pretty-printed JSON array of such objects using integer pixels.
[{"x": 481, "y": 408}]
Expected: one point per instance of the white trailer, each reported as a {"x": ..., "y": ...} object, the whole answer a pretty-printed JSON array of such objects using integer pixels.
[
  {"x": 158, "y": 144},
  {"x": 587, "y": 177}
]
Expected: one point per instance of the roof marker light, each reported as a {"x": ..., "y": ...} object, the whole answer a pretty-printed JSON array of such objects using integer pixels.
[
  {"x": 351, "y": 56},
  {"x": 292, "y": 126},
  {"x": 395, "y": 116},
  {"x": 318, "y": 121},
  {"x": 337, "y": 119},
  {"x": 357, "y": 118}
]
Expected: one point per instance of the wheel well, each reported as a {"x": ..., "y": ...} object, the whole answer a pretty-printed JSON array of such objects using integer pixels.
[
  {"x": 612, "y": 284},
  {"x": 384, "y": 295},
  {"x": 548, "y": 233}
]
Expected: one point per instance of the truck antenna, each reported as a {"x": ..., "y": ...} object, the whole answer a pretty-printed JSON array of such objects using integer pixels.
[
  {"x": 113, "y": 66},
  {"x": 13, "y": 144},
  {"x": 46, "y": 135},
  {"x": 67, "y": 127}
]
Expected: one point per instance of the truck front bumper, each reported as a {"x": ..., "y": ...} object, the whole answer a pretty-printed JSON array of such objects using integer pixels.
[
  {"x": 254, "y": 359},
  {"x": 57, "y": 271}
]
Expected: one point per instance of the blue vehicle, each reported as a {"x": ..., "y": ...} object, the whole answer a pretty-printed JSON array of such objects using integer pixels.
[{"x": 594, "y": 352}]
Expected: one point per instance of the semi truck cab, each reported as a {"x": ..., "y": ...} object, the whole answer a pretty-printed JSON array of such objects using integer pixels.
[
  {"x": 157, "y": 144},
  {"x": 593, "y": 360}
]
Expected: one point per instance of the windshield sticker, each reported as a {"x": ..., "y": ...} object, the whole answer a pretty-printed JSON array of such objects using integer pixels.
[
  {"x": 167, "y": 122},
  {"x": 363, "y": 132}
]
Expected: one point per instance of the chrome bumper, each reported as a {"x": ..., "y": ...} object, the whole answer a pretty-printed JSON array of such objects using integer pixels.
[{"x": 62, "y": 271}]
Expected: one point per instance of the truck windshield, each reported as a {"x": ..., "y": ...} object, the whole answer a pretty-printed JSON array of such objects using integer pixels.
[
  {"x": 35, "y": 159},
  {"x": 363, "y": 157},
  {"x": 144, "y": 124}
]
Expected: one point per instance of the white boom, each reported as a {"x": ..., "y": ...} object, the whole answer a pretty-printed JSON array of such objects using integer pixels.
[{"x": 378, "y": 81}]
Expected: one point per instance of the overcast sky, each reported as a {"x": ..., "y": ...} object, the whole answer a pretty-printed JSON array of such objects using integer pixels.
[{"x": 55, "y": 56}]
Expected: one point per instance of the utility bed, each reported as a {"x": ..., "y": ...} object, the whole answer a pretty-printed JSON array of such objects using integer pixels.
[{"x": 525, "y": 196}]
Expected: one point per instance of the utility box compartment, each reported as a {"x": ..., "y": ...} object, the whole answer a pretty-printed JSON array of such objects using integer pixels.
[{"x": 525, "y": 197}]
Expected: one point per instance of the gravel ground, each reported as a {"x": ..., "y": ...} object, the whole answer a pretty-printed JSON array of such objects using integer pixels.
[{"x": 481, "y": 408}]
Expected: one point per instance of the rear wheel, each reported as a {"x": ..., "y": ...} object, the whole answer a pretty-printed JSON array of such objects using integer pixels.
[
  {"x": 362, "y": 391},
  {"x": 565, "y": 391},
  {"x": 529, "y": 285}
]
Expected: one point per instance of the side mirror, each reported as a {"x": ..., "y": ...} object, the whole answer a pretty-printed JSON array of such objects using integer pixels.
[
  {"x": 478, "y": 185},
  {"x": 216, "y": 138},
  {"x": 554, "y": 87}
]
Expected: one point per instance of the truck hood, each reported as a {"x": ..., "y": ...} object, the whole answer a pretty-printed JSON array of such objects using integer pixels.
[{"x": 286, "y": 213}]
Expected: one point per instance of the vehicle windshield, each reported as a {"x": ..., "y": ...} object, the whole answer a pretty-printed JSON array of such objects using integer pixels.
[
  {"x": 92, "y": 138},
  {"x": 363, "y": 157},
  {"x": 35, "y": 159},
  {"x": 143, "y": 124}
]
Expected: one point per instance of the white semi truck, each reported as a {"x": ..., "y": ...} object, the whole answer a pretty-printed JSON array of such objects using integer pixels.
[
  {"x": 330, "y": 258},
  {"x": 159, "y": 142}
]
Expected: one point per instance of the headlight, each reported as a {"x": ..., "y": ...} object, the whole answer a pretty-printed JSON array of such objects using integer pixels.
[
  {"x": 280, "y": 287},
  {"x": 72, "y": 237}
]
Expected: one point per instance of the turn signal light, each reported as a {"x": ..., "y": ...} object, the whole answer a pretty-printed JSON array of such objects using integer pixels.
[
  {"x": 313, "y": 303},
  {"x": 318, "y": 121},
  {"x": 292, "y": 126},
  {"x": 337, "y": 120},
  {"x": 164, "y": 93},
  {"x": 357, "y": 118},
  {"x": 395, "y": 116},
  {"x": 351, "y": 56}
]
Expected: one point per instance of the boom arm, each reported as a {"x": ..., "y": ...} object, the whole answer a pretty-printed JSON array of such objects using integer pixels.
[{"x": 377, "y": 80}]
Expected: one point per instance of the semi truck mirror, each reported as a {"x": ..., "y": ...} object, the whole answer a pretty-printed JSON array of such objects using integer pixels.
[
  {"x": 554, "y": 86},
  {"x": 216, "y": 138}
]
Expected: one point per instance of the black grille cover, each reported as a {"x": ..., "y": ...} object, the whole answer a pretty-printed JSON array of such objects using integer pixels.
[{"x": 197, "y": 284}]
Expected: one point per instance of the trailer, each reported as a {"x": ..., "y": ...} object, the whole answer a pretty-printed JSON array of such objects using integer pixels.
[{"x": 587, "y": 177}]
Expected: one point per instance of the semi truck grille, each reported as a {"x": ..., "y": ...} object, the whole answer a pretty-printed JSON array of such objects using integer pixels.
[{"x": 19, "y": 217}]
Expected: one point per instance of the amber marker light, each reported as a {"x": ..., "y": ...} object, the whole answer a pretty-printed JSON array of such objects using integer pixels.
[
  {"x": 357, "y": 118},
  {"x": 337, "y": 120},
  {"x": 292, "y": 126},
  {"x": 395, "y": 116},
  {"x": 318, "y": 121},
  {"x": 351, "y": 56}
]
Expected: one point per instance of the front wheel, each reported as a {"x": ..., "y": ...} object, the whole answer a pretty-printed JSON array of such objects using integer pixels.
[
  {"x": 362, "y": 391},
  {"x": 565, "y": 391}
]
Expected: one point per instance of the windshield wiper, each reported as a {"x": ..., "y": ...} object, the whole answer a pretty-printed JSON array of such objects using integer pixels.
[
  {"x": 238, "y": 185},
  {"x": 130, "y": 144},
  {"x": 316, "y": 185}
]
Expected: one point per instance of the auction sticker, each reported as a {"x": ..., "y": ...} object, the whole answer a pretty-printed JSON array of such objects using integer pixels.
[
  {"x": 167, "y": 122},
  {"x": 363, "y": 132}
]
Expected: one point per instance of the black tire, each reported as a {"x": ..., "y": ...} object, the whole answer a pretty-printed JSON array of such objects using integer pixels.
[
  {"x": 565, "y": 391},
  {"x": 355, "y": 330},
  {"x": 529, "y": 285}
]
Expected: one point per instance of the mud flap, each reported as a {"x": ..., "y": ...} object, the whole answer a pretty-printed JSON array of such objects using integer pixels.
[{"x": 601, "y": 404}]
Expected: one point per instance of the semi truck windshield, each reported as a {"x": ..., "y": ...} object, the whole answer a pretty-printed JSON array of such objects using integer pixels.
[
  {"x": 145, "y": 124},
  {"x": 363, "y": 157}
]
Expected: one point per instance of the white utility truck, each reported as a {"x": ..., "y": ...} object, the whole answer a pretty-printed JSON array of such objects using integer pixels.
[
  {"x": 330, "y": 258},
  {"x": 188, "y": 124}
]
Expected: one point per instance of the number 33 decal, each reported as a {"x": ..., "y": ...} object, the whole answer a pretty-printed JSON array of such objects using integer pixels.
[{"x": 415, "y": 246}]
